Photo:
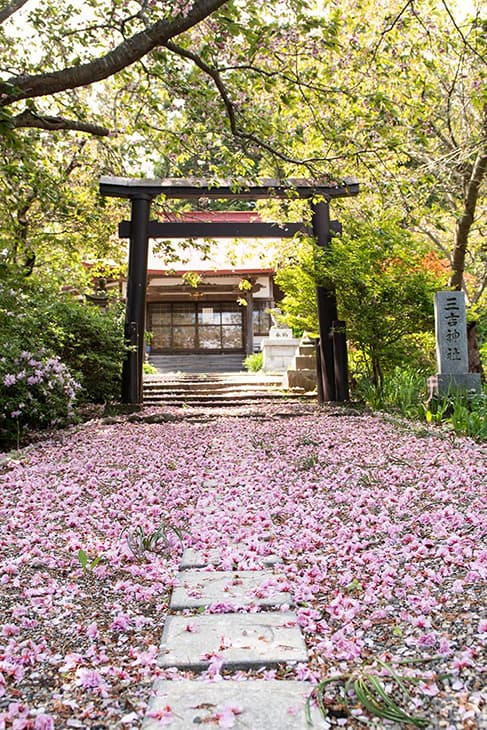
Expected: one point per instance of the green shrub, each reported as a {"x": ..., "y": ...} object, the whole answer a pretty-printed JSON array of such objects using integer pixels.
[
  {"x": 89, "y": 341},
  {"x": 403, "y": 391},
  {"x": 149, "y": 369},
  {"x": 254, "y": 362},
  {"x": 466, "y": 416},
  {"x": 383, "y": 287}
]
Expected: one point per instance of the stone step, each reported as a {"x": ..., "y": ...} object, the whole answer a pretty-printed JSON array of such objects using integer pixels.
[
  {"x": 205, "y": 399},
  {"x": 305, "y": 379},
  {"x": 239, "y": 640},
  {"x": 228, "y": 390},
  {"x": 211, "y": 404},
  {"x": 196, "y": 559},
  {"x": 304, "y": 362},
  {"x": 202, "y": 363},
  {"x": 160, "y": 397},
  {"x": 249, "y": 382},
  {"x": 253, "y": 704},
  {"x": 197, "y": 404},
  {"x": 202, "y": 388},
  {"x": 259, "y": 377},
  {"x": 197, "y": 588}
]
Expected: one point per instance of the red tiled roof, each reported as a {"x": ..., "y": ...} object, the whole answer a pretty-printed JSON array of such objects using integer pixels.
[
  {"x": 210, "y": 272},
  {"x": 214, "y": 216}
]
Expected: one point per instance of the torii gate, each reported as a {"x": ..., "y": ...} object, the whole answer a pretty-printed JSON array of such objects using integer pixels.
[{"x": 332, "y": 369}]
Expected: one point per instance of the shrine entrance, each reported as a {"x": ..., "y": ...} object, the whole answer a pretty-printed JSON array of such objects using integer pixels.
[
  {"x": 195, "y": 327},
  {"x": 192, "y": 329}
]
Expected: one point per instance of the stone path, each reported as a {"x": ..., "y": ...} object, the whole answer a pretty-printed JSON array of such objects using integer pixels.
[{"x": 236, "y": 641}]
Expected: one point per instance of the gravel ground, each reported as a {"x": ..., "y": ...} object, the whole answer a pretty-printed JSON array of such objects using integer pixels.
[{"x": 381, "y": 529}]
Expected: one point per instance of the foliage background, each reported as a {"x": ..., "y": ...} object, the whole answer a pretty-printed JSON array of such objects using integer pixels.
[{"x": 392, "y": 92}]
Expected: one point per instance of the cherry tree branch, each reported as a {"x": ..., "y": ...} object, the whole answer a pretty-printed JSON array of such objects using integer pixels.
[
  {"x": 237, "y": 132},
  {"x": 462, "y": 36},
  {"x": 30, "y": 119},
  {"x": 10, "y": 9},
  {"x": 429, "y": 234},
  {"x": 214, "y": 74},
  {"x": 286, "y": 77},
  {"x": 125, "y": 54},
  {"x": 390, "y": 27}
]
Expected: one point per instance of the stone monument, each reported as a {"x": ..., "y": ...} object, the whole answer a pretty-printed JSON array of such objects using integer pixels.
[{"x": 451, "y": 347}]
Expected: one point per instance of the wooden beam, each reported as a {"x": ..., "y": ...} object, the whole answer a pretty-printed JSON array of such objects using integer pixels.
[
  {"x": 239, "y": 189},
  {"x": 327, "y": 306},
  {"x": 198, "y": 229}
]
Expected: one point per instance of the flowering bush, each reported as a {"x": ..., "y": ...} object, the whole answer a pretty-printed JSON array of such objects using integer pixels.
[
  {"x": 36, "y": 391},
  {"x": 36, "y": 316}
]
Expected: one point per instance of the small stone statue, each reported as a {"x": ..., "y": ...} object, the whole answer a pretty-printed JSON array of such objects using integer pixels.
[{"x": 278, "y": 329}]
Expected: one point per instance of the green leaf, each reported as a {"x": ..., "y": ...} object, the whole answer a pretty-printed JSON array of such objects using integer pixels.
[{"x": 83, "y": 558}]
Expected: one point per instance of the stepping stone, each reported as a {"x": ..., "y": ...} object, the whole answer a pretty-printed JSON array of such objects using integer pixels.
[
  {"x": 240, "y": 640},
  {"x": 253, "y": 704},
  {"x": 233, "y": 588},
  {"x": 195, "y": 558}
]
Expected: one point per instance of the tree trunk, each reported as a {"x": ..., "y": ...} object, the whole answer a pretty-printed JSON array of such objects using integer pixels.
[
  {"x": 472, "y": 189},
  {"x": 377, "y": 375},
  {"x": 474, "y": 361}
]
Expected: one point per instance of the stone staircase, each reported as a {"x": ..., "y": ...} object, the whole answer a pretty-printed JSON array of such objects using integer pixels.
[
  {"x": 212, "y": 389},
  {"x": 302, "y": 372}
]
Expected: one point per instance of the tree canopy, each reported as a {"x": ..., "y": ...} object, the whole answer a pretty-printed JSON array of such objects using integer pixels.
[{"x": 393, "y": 93}]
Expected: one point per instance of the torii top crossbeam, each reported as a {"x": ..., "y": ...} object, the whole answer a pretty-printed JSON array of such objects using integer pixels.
[{"x": 238, "y": 189}]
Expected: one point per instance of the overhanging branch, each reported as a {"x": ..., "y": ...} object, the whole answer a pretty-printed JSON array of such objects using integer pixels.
[
  {"x": 10, "y": 9},
  {"x": 215, "y": 75},
  {"x": 125, "y": 54},
  {"x": 27, "y": 118}
]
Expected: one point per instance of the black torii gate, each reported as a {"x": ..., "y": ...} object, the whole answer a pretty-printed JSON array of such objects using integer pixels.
[{"x": 332, "y": 371}]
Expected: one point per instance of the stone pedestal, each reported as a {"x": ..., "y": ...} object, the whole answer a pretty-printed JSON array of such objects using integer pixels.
[
  {"x": 278, "y": 353},
  {"x": 443, "y": 383}
]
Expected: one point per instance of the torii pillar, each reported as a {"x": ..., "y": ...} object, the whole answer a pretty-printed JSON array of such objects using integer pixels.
[
  {"x": 136, "y": 294},
  {"x": 332, "y": 366}
]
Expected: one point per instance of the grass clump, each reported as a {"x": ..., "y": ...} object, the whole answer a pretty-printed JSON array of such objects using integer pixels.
[
  {"x": 404, "y": 392},
  {"x": 384, "y": 695},
  {"x": 253, "y": 363},
  {"x": 141, "y": 542}
]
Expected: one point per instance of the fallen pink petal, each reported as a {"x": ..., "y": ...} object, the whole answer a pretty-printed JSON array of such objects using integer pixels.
[{"x": 381, "y": 549}]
